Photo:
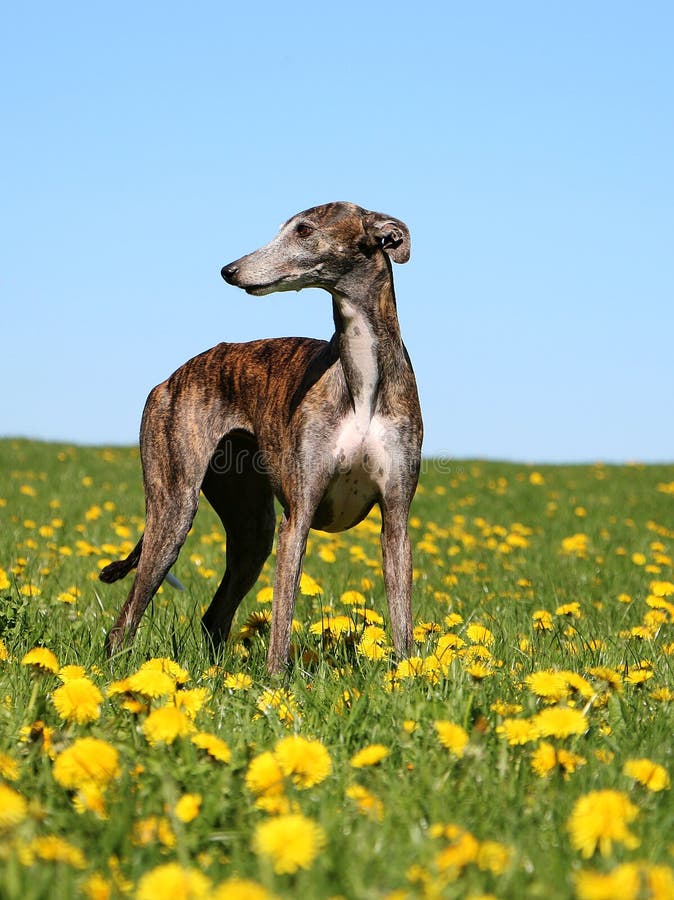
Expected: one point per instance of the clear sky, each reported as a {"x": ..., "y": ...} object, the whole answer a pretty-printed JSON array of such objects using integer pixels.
[{"x": 529, "y": 146}]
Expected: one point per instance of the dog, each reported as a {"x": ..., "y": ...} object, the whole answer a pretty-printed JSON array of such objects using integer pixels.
[{"x": 328, "y": 428}]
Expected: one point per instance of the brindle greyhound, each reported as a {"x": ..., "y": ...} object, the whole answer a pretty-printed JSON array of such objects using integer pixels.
[{"x": 329, "y": 428}]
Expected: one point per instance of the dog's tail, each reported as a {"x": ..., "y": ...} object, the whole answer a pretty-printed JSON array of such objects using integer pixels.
[{"x": 121, "y": 567}]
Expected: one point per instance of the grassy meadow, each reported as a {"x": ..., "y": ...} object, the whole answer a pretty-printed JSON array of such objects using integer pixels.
[{"x": 525, "y": 750}]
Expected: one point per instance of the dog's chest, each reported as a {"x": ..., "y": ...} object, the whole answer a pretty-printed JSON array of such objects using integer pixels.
[{"x": 360, "y": 463}]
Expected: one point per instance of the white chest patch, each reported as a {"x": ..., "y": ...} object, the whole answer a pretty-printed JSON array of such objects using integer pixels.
[
  {"x": 358, "y": 457},
  {"x": 361, "y": 466}
]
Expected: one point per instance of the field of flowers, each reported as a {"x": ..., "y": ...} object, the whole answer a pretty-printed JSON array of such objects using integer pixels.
[{"x": 523, "y": 751}]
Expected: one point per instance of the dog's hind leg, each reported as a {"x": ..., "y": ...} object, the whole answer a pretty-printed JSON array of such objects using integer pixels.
[
  {"x": 240, "y": 493},
  {"x": 165, "y": 533},
  {"x": 175, "y": 454}
]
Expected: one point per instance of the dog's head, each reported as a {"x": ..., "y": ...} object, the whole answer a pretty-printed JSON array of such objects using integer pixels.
[{"x": 319, "y": 247}]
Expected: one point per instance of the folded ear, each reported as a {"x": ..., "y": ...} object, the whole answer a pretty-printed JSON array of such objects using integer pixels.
[{"x": 390, "y": 234}]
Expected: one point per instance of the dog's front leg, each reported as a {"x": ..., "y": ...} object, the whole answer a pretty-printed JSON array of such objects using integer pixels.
[
  {"x": 292, "y": 542},
  {"x": 397, "y": 564}
]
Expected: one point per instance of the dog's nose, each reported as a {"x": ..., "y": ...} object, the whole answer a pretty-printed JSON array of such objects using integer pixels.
[{"x": 228, "y": 272}]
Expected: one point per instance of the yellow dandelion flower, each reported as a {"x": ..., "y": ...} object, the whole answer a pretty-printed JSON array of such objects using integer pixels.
[
  {"x": 662, "y": 588},
  {"x": 238, "y": 681},
  {"x": 264, "y": 775},
  {"x": 5, "y": 583},
  {"x": 13, "y": 807},
  {"x": 188, "y": 806},
  {"x": 637, "y": 677},
  {"x": 90, "y": 798},
  {"x": 568, "y": 762},
  {"x": 165, "y": 724},
  {"x": 501, "y": 708},
  {"x": 279, "y": 701},
  {"x": 451, "y": 736},
  {"x": 366, "y": 802},
  {"x": 463, "y": 850},
  {"x": 87, "y": 761},
  {"x": 424, "y": 630},
  {"x": 38, "y": 733},
  {"x": 241, "y": 889},
  {"x": 517, "y": 731},
  {"x": 609, "y": 677},
  {"x": 579, "y": 685},
  {"x": 353, "y": 598},
  {"x": 152, "y": 829},
  {"x": 151, "y": 682},
  {"x": 52, "y": 848},
  {"x": 571, "y": 610},
  {"x": 652, "y": 775},
  {"x": 309, "y": 587},
  {"x": 4, "y": 652},
  {"x": 172, "y": 668},
  {"x": 542, "y": 620},
  {"x": 97, "y": 887},
  {"x": 78, "y": 700},
  {"x": 660, "y": 881},
  {"x": 256, "y": 623},
  {"x": 575, "y": 545},
  {"x": 173, "y": 881},
  {"x": 478, "y": 670},
  {"x": 291, "y": 842},
  {"x": 479, "y": 634},
  {"x": 9, "y": 768},
  {"x": 598, "y": 819},
  {"x": 448, "y": 644},
  {"x": 371, "y": 755},
  {"x": 371, "y": 616},
  {"x": 549, "y": 684},
  {"x": 276, "y": 804},
  {"x": 663, "y": 695},
  {"x": 118, "y": 687},
  {"x": 493, "y": 857},
  {"x": 624, "y": 882},
  {"x": 327, "y": 555},
  {"x": 604, "y": 756},
  {"x": 191, "y": 701},
  {"x": 335, "y": 626},
  {"x": 559, "y": 722},
  {"x": 67, "y": 673},
  {"x": 409, "y": 668},
  {"x": 214, "y": 746},
  {"x": 306, "y": 762},
  {"x": 42, "y": 659},
  {"x": 265, "y": 595},
  {"x": 371, "y": 648},
  {"x": 546, "y": 759}
]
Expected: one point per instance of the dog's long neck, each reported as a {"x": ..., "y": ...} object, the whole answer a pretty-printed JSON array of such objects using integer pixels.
[{"x": 368, "y": 337}]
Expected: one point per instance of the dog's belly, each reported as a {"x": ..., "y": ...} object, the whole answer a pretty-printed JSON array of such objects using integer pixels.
[{"x": 360, "y": 463}]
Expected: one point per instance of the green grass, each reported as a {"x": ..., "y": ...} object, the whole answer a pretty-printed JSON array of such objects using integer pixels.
[{"x": 489, "y": 550}]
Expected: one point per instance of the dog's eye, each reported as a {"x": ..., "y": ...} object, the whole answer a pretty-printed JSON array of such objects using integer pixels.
[{"x": 303, "y": 229}]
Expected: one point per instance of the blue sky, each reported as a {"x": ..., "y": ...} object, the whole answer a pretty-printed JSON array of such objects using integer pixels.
[{"x": 528, "y": 146}]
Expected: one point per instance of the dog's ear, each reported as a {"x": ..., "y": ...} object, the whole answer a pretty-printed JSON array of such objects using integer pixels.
[{"x": 390, "y": 234}]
